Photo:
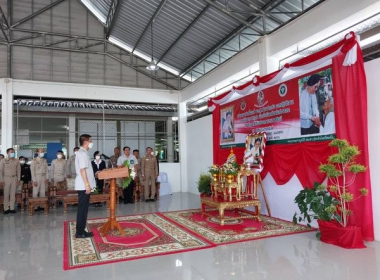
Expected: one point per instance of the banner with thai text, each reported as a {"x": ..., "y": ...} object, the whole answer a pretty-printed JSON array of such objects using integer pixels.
[{"x": 298, "y": 110}]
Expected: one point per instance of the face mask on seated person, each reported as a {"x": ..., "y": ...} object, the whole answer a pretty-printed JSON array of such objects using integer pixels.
[
  {"x": 59, "y": 156},
  {"x": 22, "y": 162},
  {"x": 97, "y": 157}
]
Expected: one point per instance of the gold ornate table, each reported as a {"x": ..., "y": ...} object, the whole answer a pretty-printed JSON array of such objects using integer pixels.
[{"x": 221, "y": 205}]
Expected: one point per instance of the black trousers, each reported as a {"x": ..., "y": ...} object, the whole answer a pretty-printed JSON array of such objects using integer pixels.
[
  {"x": 83, "y": 203},
  {"x": 311, "y": 130},
  {"x": 100, "y": 185},
  {"x": 128, "y": 192}
]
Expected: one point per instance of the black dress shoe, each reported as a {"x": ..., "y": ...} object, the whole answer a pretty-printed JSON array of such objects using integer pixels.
[
  {"x": 81, "y": 236},
  {"x": 6, "y": 212},
  {"x": 126, "y": 202},
  {"x": 88, "y": 234},
  {"x": 152, "y": 200},
  {"x": 12, "y": 211},
  {"x": 147, "y": 200}
]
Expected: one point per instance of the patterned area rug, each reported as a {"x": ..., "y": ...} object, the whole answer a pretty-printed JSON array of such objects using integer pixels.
[
  {"x": 234, "y": 230},
  {"x": 146, "y": 236}
]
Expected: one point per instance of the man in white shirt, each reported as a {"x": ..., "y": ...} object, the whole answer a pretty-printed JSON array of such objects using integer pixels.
[
  {"x": 309, "y": 113},
  {"x": 84, "y": 183},
  {"x": 133, "y": 163}
]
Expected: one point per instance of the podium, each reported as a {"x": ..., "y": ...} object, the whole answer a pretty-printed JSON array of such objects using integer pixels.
[{"x": 112, "y": 174}]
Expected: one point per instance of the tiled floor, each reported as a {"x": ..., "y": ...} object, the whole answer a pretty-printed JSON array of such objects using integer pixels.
[{"x": 31, "y": 248}]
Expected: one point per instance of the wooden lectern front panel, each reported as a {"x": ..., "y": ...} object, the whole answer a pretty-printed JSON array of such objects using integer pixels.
[{"x": 121, "y": 172}]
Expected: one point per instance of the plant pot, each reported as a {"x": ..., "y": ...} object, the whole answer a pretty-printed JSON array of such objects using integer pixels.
[
  {"x": 204, "y": 195},
  {"x": 349, "y": 237}
]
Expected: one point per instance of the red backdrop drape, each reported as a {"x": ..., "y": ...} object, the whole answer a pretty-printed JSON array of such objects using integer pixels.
[{"x": 282, "y": 161}]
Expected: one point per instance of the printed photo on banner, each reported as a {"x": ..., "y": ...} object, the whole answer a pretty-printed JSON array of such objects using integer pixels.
[
  {"x": 227, "y": 124},
  {"x": 254, "y": 147},
  {"x": 317, "y": 103}
]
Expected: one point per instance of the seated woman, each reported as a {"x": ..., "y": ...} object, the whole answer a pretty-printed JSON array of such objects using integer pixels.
[{"x": 98, "y": 165}]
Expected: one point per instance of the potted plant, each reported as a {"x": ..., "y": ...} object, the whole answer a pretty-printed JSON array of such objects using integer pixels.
[
  {"x": 329, "y": 205},
  {"x": 204, "y": 184}
]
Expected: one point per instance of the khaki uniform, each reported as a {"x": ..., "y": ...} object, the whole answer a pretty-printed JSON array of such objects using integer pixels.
[
  {"x": 112, "y": 161},
  {"x": 10, "y": 173},
  {"x": 39, "y": 170},
  {"x": 70, "y": 167},
  {"x": 58, "y": 170},
  {"x": 149, "y": 170}
]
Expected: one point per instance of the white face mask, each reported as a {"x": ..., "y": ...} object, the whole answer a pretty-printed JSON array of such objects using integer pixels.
[
  {"x": 97, "y": 157},
  {"x": 29, "y": 163},
  {"x": 90, "y": 145},
  {"x": 152, "y": 153},
  {"x": 22, "y": 161},
  {"x": 59, "y": 156},
  {"x": 42, "y": 155},
  {"x": 75, "y": 152}
]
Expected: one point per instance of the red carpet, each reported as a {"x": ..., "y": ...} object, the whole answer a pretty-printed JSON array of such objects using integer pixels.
[
  {"x": 146, "y": 236},
  {"x": 150, "y": 235},
  {"x": 235, "y": 230}
]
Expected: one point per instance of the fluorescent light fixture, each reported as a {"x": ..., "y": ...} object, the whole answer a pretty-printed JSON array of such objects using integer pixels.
[
  {"x": 174, "y": 119},
  {"x": 120, "y": 44},
  {"x": 201, "y": 108},
  {"x": 95, "y": 11},
  {"x": 168, "y": 68},
  {"x": 370, "y": 40},
  {"x": 142, "y": 55}
]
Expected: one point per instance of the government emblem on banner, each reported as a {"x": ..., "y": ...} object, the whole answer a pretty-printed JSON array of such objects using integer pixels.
[
  {"x": 260, "y": 99},
  {"x": 243, "y": 105}
]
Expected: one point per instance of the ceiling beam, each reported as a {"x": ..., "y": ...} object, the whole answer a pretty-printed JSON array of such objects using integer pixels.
[
  {"x": 227, "y": 12},
  {"x": 112, "y": 15},
  {"x": 162, "y": 3},
  {"x": 255, "y": 8},
  {"x": 267, "y": 7},
  {"x": 184, "y": 32},
  {"x": 48, "y": 7}
]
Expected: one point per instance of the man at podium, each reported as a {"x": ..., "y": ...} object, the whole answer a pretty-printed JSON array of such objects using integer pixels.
[{"x": 84, "y": 183}]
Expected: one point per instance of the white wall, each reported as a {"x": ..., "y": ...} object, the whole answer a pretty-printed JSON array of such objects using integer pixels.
[
  {"x": 372, "y": 69},
  {"x": 173, "y": 171},
  {"x": 199, "y": 150}
]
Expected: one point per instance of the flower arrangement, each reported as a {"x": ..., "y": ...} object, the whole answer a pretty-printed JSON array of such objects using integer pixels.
[
  {"x": 214, "y": 169},
  {"x": 331, "y": 203},
  {"x": 230, "y": 168},
  {"x": 126, "y": 181}
]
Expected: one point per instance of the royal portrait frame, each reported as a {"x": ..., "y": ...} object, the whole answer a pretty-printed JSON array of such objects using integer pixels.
[
  {"x": 262, "y": 137},
  {"x": 223, "y": 116}
]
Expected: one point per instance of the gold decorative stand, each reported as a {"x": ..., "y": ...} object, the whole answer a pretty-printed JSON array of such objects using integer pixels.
[
  {"x": 112, "y": 174},
  {"x": 257, "y": 181}
]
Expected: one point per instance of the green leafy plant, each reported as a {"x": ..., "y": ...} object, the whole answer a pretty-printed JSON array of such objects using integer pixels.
[
  {"x": 204, "y": 184},
  {"x": 341, "y": 170},
  {"x": 332, "y": 202},
  {"x": 315, "y": 203}
]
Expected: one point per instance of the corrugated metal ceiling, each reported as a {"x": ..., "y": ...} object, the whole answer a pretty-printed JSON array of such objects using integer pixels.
[{"x": 193, "y": 37}]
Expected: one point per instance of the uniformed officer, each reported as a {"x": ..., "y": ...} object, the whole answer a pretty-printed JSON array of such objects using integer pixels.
[
  {"x": 10, "y": 173},
  {"x": 70, "y": 165},
  {"x": 40, "y": 175},
  {"x": 1, "y": 156},
  {"x": 149, "y": 173},
  {"x": 113, "y": 159},
  {"x": 58, "y": 170}
]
